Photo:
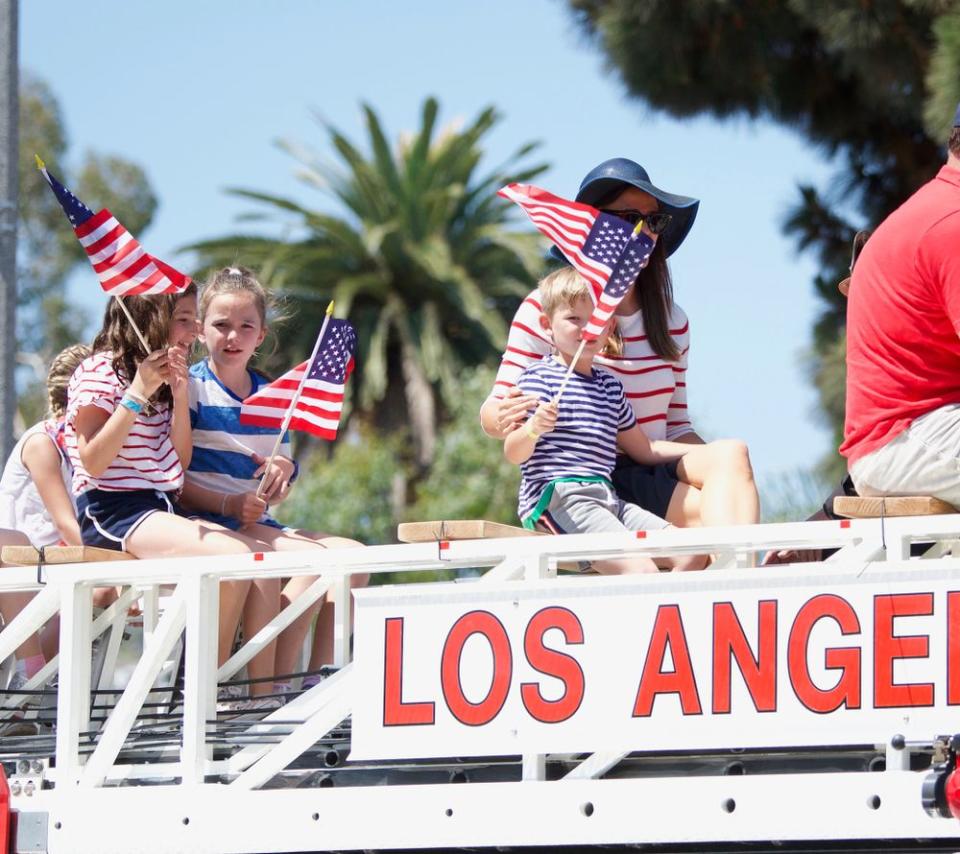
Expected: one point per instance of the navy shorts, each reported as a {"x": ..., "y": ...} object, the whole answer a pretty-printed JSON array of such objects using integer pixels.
[
  {"x": 650, "y": 487},
  {"x": 107, "y": 518}
]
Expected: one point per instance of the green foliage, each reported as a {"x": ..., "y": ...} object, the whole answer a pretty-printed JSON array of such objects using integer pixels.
[
  {"x": 351, "y": 492},
  {"x": 794, "y": 495},
  {"x": 417, "y": 256},
  {"x": 827, "y": 368},
  {"x": 360, "y": 490},
  {"x": 469, "y": 478},
  {"x": 943, "y": 74},
  {"x": 872, "y": 84}
]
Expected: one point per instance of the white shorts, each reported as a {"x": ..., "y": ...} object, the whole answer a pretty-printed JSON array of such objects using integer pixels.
[{"x": 923, "y": 460}]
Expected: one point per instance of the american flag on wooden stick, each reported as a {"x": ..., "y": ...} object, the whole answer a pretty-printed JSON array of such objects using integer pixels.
[
  {"x": 606, "y": 250},
  {"x": 318, "y": 409},
  {"x": 120, "y": 262}
]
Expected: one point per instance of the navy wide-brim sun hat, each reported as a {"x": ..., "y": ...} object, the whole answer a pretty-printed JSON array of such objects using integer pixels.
[{"x": 620, "y": 172}]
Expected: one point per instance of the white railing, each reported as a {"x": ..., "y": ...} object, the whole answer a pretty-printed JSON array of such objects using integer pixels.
[
  {"x": 180, "y": 600},
  {"x": 191, "y": 611}
]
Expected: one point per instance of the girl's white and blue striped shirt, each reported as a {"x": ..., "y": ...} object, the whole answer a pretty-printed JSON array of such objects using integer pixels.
[
  {"x": 593, "y": 410},
  {"x": 223, "y": 448}
]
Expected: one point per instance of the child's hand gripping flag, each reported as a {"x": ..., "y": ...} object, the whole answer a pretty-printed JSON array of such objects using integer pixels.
[
  {"x": 606, "y": 250},
  {"x": 121, "y": 264},
  {"x": 311, "y": 394}
]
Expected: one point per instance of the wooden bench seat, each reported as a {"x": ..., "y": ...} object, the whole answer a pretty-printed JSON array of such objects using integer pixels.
[
  {"x": 857, "y": 507},
  {"x": 458, "y": 529},
  {"x": 445, "y": 530},
  {"x": 53, "y": 555}
]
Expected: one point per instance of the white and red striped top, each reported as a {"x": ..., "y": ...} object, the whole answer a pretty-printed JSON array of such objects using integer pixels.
[
  {"x": 656, "y": 389},
  {"x": 147, "y": 459}
]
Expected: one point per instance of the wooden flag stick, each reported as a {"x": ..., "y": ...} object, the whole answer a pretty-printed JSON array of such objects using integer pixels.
[
  {"x": 296, "y": 398},
  {"x": 570, "y": 367},
  {"x": 133, "y": 323}
]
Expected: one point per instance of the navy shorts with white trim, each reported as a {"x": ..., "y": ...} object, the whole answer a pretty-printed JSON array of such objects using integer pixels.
[{"x": 107, "y": 518}]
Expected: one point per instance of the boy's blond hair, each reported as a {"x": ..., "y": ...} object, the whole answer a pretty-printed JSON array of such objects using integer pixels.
[
  {"x": 564, "y": 287},
  {"x": 561, "y": 289}
]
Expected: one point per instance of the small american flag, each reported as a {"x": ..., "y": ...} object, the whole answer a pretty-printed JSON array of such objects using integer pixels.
[
  {"x": 318, "y": 409},
  {"x": 606, "y": 250},
  {"x": 121, "y": 264}
]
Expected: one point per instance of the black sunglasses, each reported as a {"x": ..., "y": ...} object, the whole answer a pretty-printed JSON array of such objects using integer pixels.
[{"x": 656, "y": 222}]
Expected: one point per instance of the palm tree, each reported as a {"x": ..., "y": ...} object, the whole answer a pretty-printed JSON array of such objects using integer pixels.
[{"x": 417, "y": 255}]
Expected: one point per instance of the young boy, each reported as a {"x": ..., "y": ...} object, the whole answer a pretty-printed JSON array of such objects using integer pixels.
[{"x": 567, "y": 449}]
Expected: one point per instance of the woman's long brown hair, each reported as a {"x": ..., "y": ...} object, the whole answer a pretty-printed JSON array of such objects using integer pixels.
[
  {"x": 655, "y": 291},
  {"x": 152, "y": 315}
]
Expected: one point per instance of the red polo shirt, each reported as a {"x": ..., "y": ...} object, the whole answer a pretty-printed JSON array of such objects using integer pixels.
[{"x": 903, "y": 318}]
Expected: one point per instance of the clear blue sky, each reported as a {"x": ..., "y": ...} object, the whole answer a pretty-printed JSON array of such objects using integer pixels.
[{"x": 198, "y": 92}]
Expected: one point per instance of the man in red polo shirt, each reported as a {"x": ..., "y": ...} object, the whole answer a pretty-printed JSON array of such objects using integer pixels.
[{"x": 902, "y": 432}]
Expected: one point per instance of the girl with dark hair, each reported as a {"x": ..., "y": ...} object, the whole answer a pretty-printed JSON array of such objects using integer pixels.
[
  {"x": 128, "y": 438},
  {"x": 712, "y": 488}
]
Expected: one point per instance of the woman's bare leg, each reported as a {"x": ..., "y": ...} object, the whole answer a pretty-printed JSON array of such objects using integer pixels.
[
  {"x": 722, "y": 472},
  {"x": 683, "y": 511}
]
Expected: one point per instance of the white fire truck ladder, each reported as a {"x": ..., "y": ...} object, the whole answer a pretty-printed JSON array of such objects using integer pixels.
[{"x": 806, "y": 707}]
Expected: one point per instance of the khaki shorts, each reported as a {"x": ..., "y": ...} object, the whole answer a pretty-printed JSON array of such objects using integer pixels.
[{"x": 923, "y": 460}]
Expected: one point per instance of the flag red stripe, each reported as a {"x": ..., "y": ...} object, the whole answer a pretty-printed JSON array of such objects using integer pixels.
[
  {"x": 110, "y": 237},
  {"x": 129, "y": 247},
  {"x": 148, "y": 284},
  {"x": 119, "y": 279},
  {"x": 307, "y": 427},
  {"x": 93, "y": 223}
]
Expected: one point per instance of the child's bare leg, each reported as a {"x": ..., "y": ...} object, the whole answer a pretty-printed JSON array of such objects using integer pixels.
[
  {"x": 322, "y": 651},
  {"x": 12, "y": 604},
  {"x": 625, "y": 566},
  {"x": 290, "y": 642},
  {"x": 722, "y": 472},
  {"x": 167, "y": 535},
  {"x": 233, "y": 596},
  {"x": 683, "y": 563},
  {"x": 262, "y": 605}
]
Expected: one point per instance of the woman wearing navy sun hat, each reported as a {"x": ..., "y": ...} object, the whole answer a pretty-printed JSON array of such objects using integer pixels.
[{"x": 653, "y": 366}]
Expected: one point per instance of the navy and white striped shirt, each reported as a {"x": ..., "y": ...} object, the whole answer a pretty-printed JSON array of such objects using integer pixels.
[
  {"x": 223, "y": 448},
  {"x": 593, "y": 410}
]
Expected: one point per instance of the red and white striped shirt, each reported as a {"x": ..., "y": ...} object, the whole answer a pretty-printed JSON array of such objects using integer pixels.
[
  {"x": 147, "y": 459},
  {"x": 655, "y": 388}
]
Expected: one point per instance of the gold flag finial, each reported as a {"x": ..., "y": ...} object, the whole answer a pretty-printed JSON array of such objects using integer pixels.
[{"x": 40, "y": 163}]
